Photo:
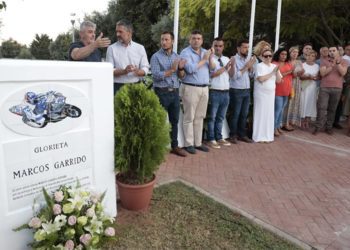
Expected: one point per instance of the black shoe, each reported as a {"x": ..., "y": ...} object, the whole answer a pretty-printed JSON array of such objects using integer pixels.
[
  {"x": 203, "y": 148},
  {"x": 315, "y": 131},
  {"x": 337, "y": 126},
  {"x": 245, "y": 139},
  {"x": 190, "y": 149},
  {"x": 233, "y": 140},
  {"x": 329, "y": 131}
]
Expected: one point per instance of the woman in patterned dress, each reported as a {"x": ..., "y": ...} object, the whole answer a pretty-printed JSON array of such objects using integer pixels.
[{"x": 291, "y": 115}]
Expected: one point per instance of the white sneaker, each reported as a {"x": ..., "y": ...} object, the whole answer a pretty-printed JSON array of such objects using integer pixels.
[
  {"x": 223, "y": 142},
  {"x": 214, "y": 144}
]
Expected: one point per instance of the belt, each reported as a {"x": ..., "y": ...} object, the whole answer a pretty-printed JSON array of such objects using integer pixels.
[
  {"x": 122, "y": 83},
  {"x": 219, "y": 90},
  {"x": 166, "y": 89},
  {"x": 196, "y": 85}
]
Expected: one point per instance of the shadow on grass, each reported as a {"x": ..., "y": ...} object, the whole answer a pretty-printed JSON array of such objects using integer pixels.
[{"x": 182, "y": 218}]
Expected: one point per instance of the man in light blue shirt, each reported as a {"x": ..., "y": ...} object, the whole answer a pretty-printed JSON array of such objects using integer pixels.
[
  {"x": 164, "y": 67},
  {"x": 194, "y": 91},
  {"x": 240, "y": 93}
]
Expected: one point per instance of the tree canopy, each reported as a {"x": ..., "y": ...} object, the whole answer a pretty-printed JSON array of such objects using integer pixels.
[
  {"x": 323, "y": 22},
  {"x": 40, "y": 47}
]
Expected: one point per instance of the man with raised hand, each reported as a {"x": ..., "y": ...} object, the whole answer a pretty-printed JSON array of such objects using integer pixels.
[{"x": 87, "y": 49}]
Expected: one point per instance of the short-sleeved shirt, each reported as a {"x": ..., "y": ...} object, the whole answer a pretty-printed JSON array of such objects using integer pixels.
[
  {"x": 95, "y": 56},
  {"x": 220, "y": 82},
  {"x": 333, "y": 79},
  {"x": 284, "y": 87}
]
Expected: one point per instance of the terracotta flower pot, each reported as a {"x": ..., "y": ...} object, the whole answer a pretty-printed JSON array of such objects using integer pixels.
[{"x": 135, "y": 197}]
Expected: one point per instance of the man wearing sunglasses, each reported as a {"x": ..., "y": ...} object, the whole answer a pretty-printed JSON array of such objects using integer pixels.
[
  {"x": 219, "y": 97},
  {"x": 240, "y": 93}
]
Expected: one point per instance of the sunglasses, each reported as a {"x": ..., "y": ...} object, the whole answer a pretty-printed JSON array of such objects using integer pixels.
[{"x": 267, "y": 56}]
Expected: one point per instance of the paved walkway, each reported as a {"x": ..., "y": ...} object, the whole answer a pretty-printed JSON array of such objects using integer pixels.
[{"x": 300, "y": 184}]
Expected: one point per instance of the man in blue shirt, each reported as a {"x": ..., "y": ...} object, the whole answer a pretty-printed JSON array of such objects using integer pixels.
[
  {"x": 240, "y": 93},
  {"x": 87, "y": 49},
  {"x": 194, "y": 91},
  {"x": 164, "y": 67}
]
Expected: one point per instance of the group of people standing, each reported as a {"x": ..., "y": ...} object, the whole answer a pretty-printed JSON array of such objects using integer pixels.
[{"x": 211, "y": 84}]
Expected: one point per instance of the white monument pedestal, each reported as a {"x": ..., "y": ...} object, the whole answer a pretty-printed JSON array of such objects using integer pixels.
[{"x": 62, "y": 132}]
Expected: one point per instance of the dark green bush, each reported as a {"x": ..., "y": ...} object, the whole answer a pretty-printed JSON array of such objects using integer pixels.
[{"x": 141, "y": 134}]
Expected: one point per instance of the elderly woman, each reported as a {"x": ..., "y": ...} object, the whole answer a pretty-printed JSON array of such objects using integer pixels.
[
  {"x": 291, "y": 115},
  {"x": 266, "y": 76},
  {"x": 283, "y": 88},
  {"x": 308, "y": 96},
  {"x": 259, "y": 48}
]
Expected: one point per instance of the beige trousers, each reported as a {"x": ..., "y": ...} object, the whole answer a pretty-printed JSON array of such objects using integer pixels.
[{"x": 195, "y": 103}]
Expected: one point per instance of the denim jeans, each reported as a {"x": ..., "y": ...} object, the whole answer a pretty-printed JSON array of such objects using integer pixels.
[
  {"x": 239, "y": 106},
  {"x": 280, "y": 103},
  {"x": 218, "y": 104},
  {"x": 171, "y": 103}
]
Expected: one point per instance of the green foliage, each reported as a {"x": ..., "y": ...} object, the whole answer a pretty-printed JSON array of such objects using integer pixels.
[
  {"x": 142, "y": 14},
  {"x": 2, "y": 5},
  {"x": 60, "y": 47},
  {"x": 141, "y": 133},
  {"x": 40, "y": 47},
  {"x": 70, "y": 215},
  {"x": 323, "y": 22},
  {"x": 25, "y": 54},
  {"x": 11, "y": 48}
]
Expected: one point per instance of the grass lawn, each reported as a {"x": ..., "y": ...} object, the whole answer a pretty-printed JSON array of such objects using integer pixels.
[{"x": 182, "y": 218}]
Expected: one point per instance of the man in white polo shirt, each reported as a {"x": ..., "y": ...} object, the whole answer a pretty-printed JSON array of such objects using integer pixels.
[
  {"x": 129, "y": 59},
  {"x": 219, "y": 97}
]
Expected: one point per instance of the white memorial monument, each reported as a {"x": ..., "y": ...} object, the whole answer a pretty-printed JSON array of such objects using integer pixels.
[{"x": 56, "y": 127}]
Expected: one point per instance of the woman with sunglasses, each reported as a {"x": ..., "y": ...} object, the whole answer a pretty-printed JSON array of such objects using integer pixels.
[
  {"x": 283, "y": 88},
  {"x": 266, "y": 76}
]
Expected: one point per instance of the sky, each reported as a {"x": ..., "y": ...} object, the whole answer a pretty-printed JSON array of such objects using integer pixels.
[{"x": 22, "y": 19}]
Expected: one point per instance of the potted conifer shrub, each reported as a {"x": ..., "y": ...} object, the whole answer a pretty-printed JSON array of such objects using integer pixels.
[{"x": 141, "y": 142}]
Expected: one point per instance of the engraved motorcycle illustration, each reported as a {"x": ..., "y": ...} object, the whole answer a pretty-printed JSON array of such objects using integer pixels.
[{"x": 40, "y": 109}]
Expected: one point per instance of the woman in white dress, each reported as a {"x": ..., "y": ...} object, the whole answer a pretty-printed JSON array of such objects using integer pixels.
[
  {"x": 308, "y": 96},
  {"x": 266, "y": 76}
]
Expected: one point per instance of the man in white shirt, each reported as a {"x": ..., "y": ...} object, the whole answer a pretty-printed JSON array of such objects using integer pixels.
[
  {"x": 219, "y": 96},
  {"x": 129, "y": 59}
]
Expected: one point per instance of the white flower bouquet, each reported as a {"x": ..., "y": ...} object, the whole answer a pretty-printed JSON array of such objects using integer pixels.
[{"x": 73, "y": 219}]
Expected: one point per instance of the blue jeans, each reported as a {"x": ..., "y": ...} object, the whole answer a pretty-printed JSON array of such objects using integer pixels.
[
  {"x": 218, "y": 104},
  {"x": 280, "y": 103},
  {"x": 239, "y": 106},
  {"x": 171, "y": 103}
]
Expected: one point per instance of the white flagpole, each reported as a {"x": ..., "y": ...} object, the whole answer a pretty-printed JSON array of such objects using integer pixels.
[
  {"x": 251, "y": 31},
  {"x": 278, "y": 22},
  {"x": 176, "y": 24},
  {"x": 217, "y": 16}
]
